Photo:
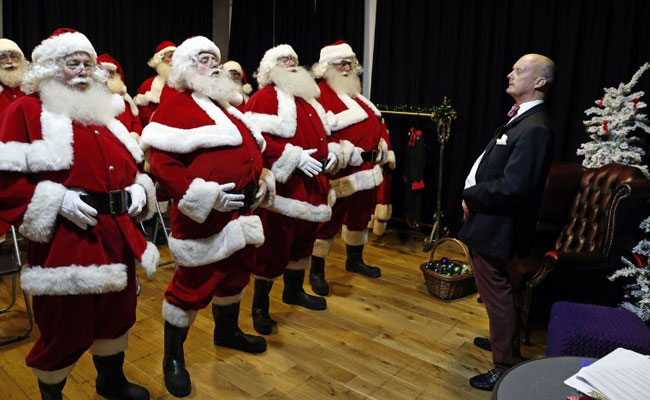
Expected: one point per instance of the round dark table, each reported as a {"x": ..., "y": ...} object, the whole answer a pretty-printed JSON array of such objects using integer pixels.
[{"x": 541, "y": 379}]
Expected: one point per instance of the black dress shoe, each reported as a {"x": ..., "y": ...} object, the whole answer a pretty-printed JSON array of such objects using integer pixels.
[
  {"x": 483, "y": 343},
  {"x": 485, "y": 381}
]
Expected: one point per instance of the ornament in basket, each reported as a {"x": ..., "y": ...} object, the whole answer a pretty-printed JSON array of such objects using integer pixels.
[{"x": 448, "y": 273}]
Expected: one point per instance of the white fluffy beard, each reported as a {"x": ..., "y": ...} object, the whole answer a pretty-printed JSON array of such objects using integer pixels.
[
  {"x": 298, "y": 82},
  {"x": 219, "y": 88},
  {"x": 163, "y": 70},
  {"x": 14, "y": 77},
  {"x": 115, "y": 85},
  {"x": 95, "y": 105},
  {"x": 349, "y": 84}
]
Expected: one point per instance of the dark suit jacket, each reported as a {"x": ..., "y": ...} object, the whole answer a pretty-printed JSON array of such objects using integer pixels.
[{"x": 504, "y": 203}]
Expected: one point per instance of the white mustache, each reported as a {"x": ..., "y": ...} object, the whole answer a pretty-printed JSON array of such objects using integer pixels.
[
  {"x": 9, "y": 66},
  {"x": 78, "y": 80}
]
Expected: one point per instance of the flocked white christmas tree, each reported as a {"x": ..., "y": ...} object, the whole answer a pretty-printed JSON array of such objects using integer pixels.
[
  {"x": 616, "y": 117},
  {"x": 637, "y": 293}
]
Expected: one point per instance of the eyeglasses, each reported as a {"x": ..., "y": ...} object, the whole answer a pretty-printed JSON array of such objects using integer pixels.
[
  {"x": 287, "y": 60},
  {"x": 207, "y": 58},
  {"x": 74, "y": 65},
  {"x": 9, "y": 56}
]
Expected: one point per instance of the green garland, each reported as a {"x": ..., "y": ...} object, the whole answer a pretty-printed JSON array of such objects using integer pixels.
[
  {"x": 406, "y": 108},
  {"x": 444, "y": 111}
]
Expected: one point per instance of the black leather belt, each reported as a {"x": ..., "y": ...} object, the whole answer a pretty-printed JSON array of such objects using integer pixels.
[
  {"x": 249, "y": 193},
  {"x": 115, "y": 202},
  {"x": 369, "y": 156}
]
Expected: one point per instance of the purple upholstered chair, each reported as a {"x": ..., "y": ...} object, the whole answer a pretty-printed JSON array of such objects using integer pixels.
[{"x": 589, "y": 330}]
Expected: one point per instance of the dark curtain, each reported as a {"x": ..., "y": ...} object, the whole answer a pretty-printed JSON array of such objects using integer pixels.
[
  {"x": 307, "y": 26},
  {"x": 127, "y": 30},
  {"x": 465, "y": 48}
]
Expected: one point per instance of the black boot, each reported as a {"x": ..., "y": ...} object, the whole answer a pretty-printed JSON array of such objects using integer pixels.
[
  {"x": 262, "y": 321},
  {"x": 51, "y": 391},
  {"x": 177, "y": 379},
  {"x": 228, "y": 334},
  {"x": 111, "y": 382},
  {"x": 317, "y": 276},
  {"x": 294, "y": 293},
  {"x": 355, "y": 263}
]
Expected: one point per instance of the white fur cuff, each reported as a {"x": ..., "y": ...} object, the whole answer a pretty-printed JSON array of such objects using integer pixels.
[
  {"x": 299, "y": 265},
  {"x": 109, "y": 347},
  {"x": 177, "y": 316},
  {"x": 341, "y": 161},
  {"x": 358, "y": 181},
  {"x": 354, "y": 238},
  {"x": 284, "y": 166},
  {"x": 227, "y": 300},
  {"x": 149, "y": 260},
  {"x": 322, "y": 247},
  {"x": 40, "y": 217},
  {"x": 52, "y": 377},
  {"x": 233, "y": 237},
  {"x": 198, "y": 200},
  {"x": 73, "y": 279},
  {"x": 390, "y": 159}
]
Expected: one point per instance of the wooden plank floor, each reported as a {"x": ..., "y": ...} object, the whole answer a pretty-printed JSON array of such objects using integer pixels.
[{"x": 383, "y": 338}]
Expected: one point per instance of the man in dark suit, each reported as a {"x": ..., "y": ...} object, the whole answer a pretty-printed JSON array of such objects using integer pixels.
[{"x": 501, "y": 201}]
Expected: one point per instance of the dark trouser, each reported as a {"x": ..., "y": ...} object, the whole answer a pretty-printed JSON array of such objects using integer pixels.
[{"x": 494, "y": 286}]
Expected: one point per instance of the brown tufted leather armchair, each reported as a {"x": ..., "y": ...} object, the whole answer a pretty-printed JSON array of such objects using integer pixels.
[{"x": 589, "y": 218}]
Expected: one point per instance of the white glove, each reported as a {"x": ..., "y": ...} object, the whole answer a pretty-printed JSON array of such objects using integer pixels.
[
  {"x": 260, "y": 195},
  {"x": 331, "y": 162},
  {"x": 309, "y": 165},
  {"x": 76, "y": 210},
  {"x": 138, "y": 199},
  {"x": 227, "y": 201},
  {"x": 355, "y": 158}
]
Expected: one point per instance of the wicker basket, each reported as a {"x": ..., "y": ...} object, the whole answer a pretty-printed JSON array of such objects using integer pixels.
[{"x": 449, "y": 287}]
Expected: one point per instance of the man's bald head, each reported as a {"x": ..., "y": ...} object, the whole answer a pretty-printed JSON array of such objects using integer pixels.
[{"x": 530, "y": 78}]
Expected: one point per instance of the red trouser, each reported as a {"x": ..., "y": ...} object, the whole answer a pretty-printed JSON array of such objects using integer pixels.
[
  {"x": 192, "y": 288},
  {"x": 493, "y": 285},
  {"x": 70, "y": 324},
  {"x": 353, "y": 211},
  {"x": 285, "y": 239}
]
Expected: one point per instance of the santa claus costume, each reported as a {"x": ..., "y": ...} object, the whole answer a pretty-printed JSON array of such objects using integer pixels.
[
  {"x": 154, "y": 91},
  {"x": 69, "y": 172},
  {"x": 293, "y": 124},
  {"x": 11, "y": 73},
  {"x": 239, "y": 76},
  {"x": 357, "y": 129},
  {"x": 130, "y": 117},
  {"x": 206, "y": 155}
]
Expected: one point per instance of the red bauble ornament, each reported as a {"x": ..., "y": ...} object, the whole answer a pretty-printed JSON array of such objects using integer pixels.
[
  {"x": 605, "y": 128},
  {"x": 636, "y": 101},
  {"x": 601, "y": 101}
]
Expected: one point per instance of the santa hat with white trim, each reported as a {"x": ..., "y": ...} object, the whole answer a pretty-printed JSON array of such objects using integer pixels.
[
  {"x": 60, "y": 43},
  {"x": 331, "y": 54},
  {"x": 270, "y": 60},
  {"x": 231, "y": 65},
  {"x": 10, "y": 45},
  {"x": 161, "y": 49},
  {"x": 186, "y": 55}
]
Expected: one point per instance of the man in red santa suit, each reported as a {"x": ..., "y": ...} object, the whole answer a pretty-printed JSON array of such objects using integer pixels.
[
  {"x": 357, "y": 128},
  {"x": 69, "y": 180},
  {"x": 238, "y": 75},
  {"x": 293, "y": 124},
  {"x": 154, "y": 90},
  {"x": 129, "y": 118},
  {"x": 208, "y": 159},
  {"x": 12, "y": 68}
]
